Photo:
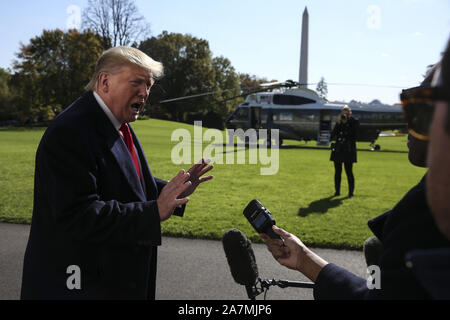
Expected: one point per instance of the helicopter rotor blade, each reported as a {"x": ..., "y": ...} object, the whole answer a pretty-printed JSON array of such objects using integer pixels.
[
  {"x": 244, "y": 91},
  {"x": 194, "y": 96}
]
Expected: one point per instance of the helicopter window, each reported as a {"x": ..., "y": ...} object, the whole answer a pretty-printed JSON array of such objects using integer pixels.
[
  {"x": 265, "y": 99},
  {"x": 241, "y": 114},
  {"x": 367, "y": 116},
  {"x": 306, "y": 115},
  {"x": 290, "y": 100},
  {"x": 281, "y": 115},
  {"x": 286, "y": 116}
]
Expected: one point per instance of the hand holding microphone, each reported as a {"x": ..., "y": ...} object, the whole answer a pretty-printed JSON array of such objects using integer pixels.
[
  {"x": 292, "y": 253},
  {"x": 286, "y": 248},
  {"x": 287, "y": 251},
  {"x": 242, "y": 262},
  {"x": 262, "y": 221}
]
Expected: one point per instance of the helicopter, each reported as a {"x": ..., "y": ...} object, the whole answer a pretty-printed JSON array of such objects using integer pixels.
[{"x": 300, "y": 114}]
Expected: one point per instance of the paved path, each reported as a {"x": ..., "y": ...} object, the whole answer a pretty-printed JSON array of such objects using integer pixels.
[{"x": 187, "y": 269}]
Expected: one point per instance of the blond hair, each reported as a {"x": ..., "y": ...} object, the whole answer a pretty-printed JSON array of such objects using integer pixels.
[{"x": 112, "y": 60}]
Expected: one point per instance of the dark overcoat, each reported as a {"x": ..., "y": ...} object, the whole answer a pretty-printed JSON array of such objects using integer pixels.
[
  {"x": 91, "y": 211},
  {"x": 344, "y": 135}
]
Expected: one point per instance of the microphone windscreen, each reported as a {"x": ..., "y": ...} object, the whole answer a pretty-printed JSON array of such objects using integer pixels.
[
  {"x": 372, "y": 251},
  {"x": 240, "y": 257}
]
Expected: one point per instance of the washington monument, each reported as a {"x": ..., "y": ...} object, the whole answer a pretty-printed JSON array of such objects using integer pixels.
[{"x": 303, "y": 75}]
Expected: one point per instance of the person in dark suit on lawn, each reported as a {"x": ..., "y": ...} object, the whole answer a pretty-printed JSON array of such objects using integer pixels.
[
  {"x": 97, "y": 212},
  {"x": 344, "y": 149}
]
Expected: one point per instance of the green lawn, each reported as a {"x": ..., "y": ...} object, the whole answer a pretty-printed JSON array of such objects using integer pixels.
[{"x": 299, "y": 195}]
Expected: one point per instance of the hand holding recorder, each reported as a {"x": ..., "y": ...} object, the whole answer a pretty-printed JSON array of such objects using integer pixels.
[{"x": 286, "y": 248}]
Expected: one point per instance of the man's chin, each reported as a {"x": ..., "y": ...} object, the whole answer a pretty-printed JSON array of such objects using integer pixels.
[{"x": 133, "y": 118}]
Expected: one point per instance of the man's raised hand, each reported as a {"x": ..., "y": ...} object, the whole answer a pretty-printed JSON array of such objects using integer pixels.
[{"x": 170, "y": 196}]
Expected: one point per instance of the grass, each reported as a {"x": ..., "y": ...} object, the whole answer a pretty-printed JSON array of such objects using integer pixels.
[{"x": 299, "y": 195}]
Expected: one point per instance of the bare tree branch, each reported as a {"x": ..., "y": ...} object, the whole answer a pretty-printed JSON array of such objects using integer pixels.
[{"x": 117, "y": 21}]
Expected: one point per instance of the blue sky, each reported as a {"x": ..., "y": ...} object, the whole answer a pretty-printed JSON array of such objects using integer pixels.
[{"x": 376, "y": 42}]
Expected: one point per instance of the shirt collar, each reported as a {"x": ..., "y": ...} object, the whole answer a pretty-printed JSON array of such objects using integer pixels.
[{"x": 116, "y": 123}]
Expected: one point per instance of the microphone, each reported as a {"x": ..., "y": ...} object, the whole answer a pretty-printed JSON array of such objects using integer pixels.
[
  {"x": 241, "y": 259},
  {"x": 372, "y": 251}
]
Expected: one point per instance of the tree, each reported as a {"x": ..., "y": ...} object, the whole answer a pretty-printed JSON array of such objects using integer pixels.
[
  {"x": 322, "y": 88},
  {"x": 6, "y": 109},
  {"x": 227, "y": 81},
  {"x": 52, "y": 70},
  {"x": 251, "y": 81},
  {"x": 190, "y": 70},
  {"x": 117, "y": 21}
]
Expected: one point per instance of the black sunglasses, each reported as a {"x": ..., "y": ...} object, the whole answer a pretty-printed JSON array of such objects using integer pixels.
[{"x": 418, "y": 108}]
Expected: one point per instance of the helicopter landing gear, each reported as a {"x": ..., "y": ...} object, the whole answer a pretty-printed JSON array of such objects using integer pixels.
[{"x": 375, "y": 147}]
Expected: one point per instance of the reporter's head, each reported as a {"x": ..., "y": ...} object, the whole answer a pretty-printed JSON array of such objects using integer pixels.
[{"x": 418, "y": 113}]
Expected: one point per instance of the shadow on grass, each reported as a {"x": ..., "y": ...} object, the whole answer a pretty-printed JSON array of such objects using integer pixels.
[
  {"x": 241, "y": 146},
  {"x": 321, "y": 206},
  {"x": 328, "y": 149}
]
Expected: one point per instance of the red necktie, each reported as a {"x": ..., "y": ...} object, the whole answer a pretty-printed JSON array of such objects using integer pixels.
[{"x": 126, "y": 135}]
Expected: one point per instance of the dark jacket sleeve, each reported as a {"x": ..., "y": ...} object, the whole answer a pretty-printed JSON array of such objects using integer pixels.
[
  {"x": 335, "y": 282},
  {"x": 408, "y": 226},
  {"x": 431, "y": 267},
  {"x": 70, "y": 179}
]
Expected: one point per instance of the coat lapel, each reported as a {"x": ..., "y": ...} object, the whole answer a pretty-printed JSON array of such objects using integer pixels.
[
  {"x": 123, "y": 157},
  {"x": 117, "y": 147}
]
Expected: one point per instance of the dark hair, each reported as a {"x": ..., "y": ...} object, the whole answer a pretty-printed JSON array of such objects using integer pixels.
[{"x": 445, "y": 80}]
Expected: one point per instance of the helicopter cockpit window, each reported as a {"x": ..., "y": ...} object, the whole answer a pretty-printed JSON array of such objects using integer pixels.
[
  {"x": 265, "y": 99},
  {"x": 291, "y": 100},
  {"x": 251, "y": 98},
  {"x": 241, "y": 114}
]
